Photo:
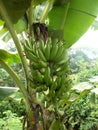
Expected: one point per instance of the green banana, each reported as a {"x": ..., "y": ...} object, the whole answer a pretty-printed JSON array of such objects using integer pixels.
[
  {"x": 44, "y": 88},
  {"x": 33, "y": 73},
  {"x": 53, "y": 54},
  {"x": 60, "y": 91},
  {"x": 42, "y": 70},
  {"x": 47, "y": 51},
  {"x": 39, "y": 77},
  {"x": 32, "y": 57},
  {"x": 39, "y": 65},
  {"x": 36, "y": 65},
  {"x": 47, "y": 75},
  {"x": 59, "y": 69},
  {"x": 62, "y": 69},
  {"x": 34, "y": 49},
  {"x": 41, "y": 88},
  {"x": 43, "y": 64},
  {"x": 61, "y": 87},
  {"x": 53, "y": 86},
  {"x": 51, "y": 95},
  {"x": 53, "y": 51},
  {"x": 63, "y": 80},
  {"x": 58, "y": 81},
  {"x": 27, "y": 44},
  {"x": 41, "y": 55},
  {"x": 62, "y": 61},
  {"x": 27, "y": 48},
  {"x": 60, "y": 52},
  {"x": 42, "y": 46},
  {"x": 60, "y": 73}
]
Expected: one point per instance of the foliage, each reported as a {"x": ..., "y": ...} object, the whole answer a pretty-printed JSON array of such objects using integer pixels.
[
  {"x": 10, "y": 121},
  {"x": 82, "y": 66},
  {"x": 15, "y": 106},
  {"x": 12, "y": 110},
  {"x": 82, "y": 115},
  {"x": 16, "y": 9}
]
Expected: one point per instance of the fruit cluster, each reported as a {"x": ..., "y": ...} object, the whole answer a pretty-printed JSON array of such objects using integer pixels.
[{"x": 48, "y": 66}]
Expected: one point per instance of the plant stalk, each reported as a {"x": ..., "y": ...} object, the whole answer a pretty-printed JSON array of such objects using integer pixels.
[
  {"x": 10, "y": 27},
  {"x": 30, "y": 17}
]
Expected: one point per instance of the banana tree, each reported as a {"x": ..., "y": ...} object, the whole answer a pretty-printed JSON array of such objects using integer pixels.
[{"x": 47, "y": 29}]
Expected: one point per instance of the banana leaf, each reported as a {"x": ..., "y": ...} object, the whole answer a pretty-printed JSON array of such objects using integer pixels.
[
  {"x": 8, "y": 57},
  {"x": 19, "y": 27},
  {"x": 16, "y": 8},
  {"x": 71, "y": 21},
  {"x": 7, "y": 91}
]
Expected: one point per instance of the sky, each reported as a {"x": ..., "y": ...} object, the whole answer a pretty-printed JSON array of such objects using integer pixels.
[
  {"x": 2, "y": 44},
  {"x": 90, "y": 38}
]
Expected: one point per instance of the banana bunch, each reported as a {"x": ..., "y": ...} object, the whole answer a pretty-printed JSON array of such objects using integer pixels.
[{"x": 48, "y": 65}]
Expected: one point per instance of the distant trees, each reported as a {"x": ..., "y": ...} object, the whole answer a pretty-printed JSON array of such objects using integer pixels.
[{"x": 82, "y": 64}]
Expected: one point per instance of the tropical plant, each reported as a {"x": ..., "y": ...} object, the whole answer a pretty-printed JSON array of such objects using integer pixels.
[{"x": 45, "y": 36}]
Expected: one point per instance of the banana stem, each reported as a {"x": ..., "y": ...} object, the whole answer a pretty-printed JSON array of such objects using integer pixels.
[
  {"x": 30, "y": 17},
  {"x": 10, "y": 27}
]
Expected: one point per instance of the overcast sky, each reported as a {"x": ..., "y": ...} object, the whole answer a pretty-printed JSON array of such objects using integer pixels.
[
  {"x": 2, "y": 44},
  {"x": 90, "y": 38}
]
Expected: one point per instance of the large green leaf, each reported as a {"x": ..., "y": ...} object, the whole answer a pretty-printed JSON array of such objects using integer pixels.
[
  {"x": 7, "y": 91},
  {"x": 4, "y": 55},
  {"x": 8, "y": 57},
  {"x": 20, "y": 26},
  {"x": 16, "y": 8},
  {"x": 72, "y": 20}
]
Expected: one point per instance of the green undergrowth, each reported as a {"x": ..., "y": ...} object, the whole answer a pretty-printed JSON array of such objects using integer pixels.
[
  {"x": 12, "y": 112},
  {"x": 10, "y": 121}
]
